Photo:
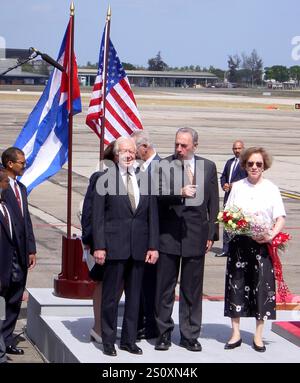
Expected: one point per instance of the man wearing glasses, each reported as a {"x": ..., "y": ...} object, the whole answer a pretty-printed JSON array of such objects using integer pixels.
[
  {"x": 232, "y": 172},
  {"x": 24, "y": 255}
]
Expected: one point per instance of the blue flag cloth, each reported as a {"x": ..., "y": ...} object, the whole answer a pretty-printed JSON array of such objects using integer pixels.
[{"x": 44, "y": 137}]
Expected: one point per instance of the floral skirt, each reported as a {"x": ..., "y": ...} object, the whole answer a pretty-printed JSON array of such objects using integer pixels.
[{"x": 250, "y": 280}]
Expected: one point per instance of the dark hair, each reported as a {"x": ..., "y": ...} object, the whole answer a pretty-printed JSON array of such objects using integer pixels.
[
  {"x": 10, "y": 154},
  {"x": 246, "y": 154}
]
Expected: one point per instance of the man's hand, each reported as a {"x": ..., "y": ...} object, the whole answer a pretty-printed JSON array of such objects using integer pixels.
[
  {"x": 209, "y": 245},
  {"x": 100, "y": 256},
  {"x": 152, "y": 256},
  {"x": 189, "y": 191},
  {"x": 226, "y": 187},
  {"x": 32, "y": 261}
]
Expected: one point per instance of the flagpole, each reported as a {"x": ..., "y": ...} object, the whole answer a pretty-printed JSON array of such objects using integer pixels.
[
  {"x": 104, "y": 74},
  {"x": 70, "y": 131}
]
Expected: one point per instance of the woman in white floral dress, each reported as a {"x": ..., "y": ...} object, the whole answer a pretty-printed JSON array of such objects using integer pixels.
[{"x": 250, "y": 280}]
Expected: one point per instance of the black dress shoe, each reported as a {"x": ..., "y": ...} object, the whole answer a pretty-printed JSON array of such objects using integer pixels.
[
  {"x": 109, "y": 349},
  {"x": 259, "y": 348},
  {"x": 190, "y": 344},
  {"x": 221, "y": 255},
  {"x": 231, "y": 346},
  {"x": 132, "y": 348},
  {"x": 14, "y": 350},
  {"x": 163, "y": 343},
  {"x": 145, "y": 333}
]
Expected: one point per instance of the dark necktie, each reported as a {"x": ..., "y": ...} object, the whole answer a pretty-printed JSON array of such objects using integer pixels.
[
  {"x": 18, "y": 196},
  {"x": 130, "y": 191},
  {"x": 6, "y": 216}
]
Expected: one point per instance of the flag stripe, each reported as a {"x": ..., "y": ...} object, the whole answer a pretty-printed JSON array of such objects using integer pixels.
[{"x": 121, "y": 114}]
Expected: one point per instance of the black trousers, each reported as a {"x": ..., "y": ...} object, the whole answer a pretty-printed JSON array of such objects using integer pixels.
[
  {"x": 13, "y": 299},
  {"x": 119, "y": 274},
  {"x": 147, "y": 302},
  {"x": 190, "y": 301}
]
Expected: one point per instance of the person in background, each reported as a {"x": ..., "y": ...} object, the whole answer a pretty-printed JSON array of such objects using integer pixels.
[
  {"x": 24, "y": 254},
  {"x": 147, "y": 325},
  {"x": 232, "y": 172},
  {"x": 250, "y": 280},
  {"x": 96, "y": 270}
]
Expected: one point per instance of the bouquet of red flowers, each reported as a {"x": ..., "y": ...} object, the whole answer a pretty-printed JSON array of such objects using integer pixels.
[{"x": 235, "y": 222}]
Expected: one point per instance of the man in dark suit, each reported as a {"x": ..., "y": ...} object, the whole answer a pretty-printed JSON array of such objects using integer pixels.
[
  {"x": 125, "y": 236},
  {"x": 187, "y": 231},
  {"x": 23, "y": 251},
  {"x": 149, "y": 159},
  {"x": 232, "y": 172},
  {"x": 6, "y": 252}
]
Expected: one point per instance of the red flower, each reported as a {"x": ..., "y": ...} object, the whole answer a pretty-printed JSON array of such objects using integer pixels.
[
  {"x": 226, "y": 216},
  {"x": 242, "y": 223}
]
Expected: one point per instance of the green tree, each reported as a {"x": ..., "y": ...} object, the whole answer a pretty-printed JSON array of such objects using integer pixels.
[
  {"x": 295, "y": 73},
  {"x": 156, "y": 63},
  {"x": 233, "y": 65},
  {"x": 253, "y": 65},
  {"x": 218, "y": 72},
  {"x": 128, "y": 66},
  {"x": 279, "y": 73}
]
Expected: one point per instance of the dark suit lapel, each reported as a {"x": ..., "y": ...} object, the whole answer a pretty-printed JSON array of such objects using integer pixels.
[
  {"x": 13, "y": 203},
  {"x": 4, "y": 224}
]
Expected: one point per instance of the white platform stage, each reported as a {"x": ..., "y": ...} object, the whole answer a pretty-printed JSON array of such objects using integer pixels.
[{"x": 60, "y": 329}]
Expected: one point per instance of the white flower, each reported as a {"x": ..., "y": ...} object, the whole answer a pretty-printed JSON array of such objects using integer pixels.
[
  {"x": 243, "y": 264},
  {"x": 247, "y": 288},
  {"x": 238, "y": 309},
  {"x": 230, "y": 276},
  {"x": 268, "y": 313},
  {"x": 230, "y": 222},
  {"x": 233, "y": 225},
  {"x": 258, "y": 257},
  {"x": 238, "y": 265},
  {"x": 265, "y": 317},
  {"x": 220, "y": 215}
]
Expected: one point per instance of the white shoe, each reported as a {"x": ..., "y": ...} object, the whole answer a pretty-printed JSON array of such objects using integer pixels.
[{"x": 95, "y": 337}]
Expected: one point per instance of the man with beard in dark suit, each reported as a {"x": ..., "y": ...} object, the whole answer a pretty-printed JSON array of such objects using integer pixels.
[
  {"x": 188, "y": 208},
  {"x": 125, "y": 236},
  {"x": 23, "y": 255}
]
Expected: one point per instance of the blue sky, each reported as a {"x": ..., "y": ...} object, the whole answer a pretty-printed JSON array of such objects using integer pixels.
[{"x": 198, "y": 32}]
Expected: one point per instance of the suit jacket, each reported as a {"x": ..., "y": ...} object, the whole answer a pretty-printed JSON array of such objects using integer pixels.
[
  {"x": 8, "y": 246},
  {"x": 184, "y": 230},
  {"x": 22, "y": 225},
  {"x": 119, "y": 230},
  {"x": 86, "y": 218},
  {"x": 237, "y": 175}
]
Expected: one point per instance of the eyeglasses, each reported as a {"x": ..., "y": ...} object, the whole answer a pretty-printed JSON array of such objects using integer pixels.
[
  {"x": 20, "y": 162},
  {"x": 258, "y": 164}
]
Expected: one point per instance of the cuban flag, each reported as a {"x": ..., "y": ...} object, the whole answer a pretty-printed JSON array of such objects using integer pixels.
[{"x": 44, "y": 137}]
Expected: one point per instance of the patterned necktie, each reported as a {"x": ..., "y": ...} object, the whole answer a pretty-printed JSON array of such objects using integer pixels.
[
  {"x": 190, "y": 174},
  {"x": 130, "y": 191},
  {"x": 18, "y": 196}
]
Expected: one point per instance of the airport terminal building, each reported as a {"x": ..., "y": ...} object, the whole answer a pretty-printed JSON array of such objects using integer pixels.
[{"x": 146, "y": 78}]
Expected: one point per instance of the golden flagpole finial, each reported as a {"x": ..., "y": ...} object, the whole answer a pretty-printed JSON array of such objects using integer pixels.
[
  {"x": 72, "y": 9},
  {"x": 108, "y": 16}
]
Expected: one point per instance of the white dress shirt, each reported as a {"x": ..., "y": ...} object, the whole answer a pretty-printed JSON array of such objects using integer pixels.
[{"x": 123, "y": 172}]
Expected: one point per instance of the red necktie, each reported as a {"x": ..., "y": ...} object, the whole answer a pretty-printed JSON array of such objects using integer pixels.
[{"x": 18, "y": 196}]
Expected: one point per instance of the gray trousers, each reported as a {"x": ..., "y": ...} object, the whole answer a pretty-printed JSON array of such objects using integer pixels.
[{"x": 2, "y": 344}]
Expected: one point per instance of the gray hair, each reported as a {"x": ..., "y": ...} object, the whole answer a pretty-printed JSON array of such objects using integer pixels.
[
  {"x": 141, "y": 138},
  {"x": 191, "y": 131},
  {"x": 119, "y": 141}
]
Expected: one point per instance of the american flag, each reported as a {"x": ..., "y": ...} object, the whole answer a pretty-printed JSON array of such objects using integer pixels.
[{"x": 121, "y": 114}]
